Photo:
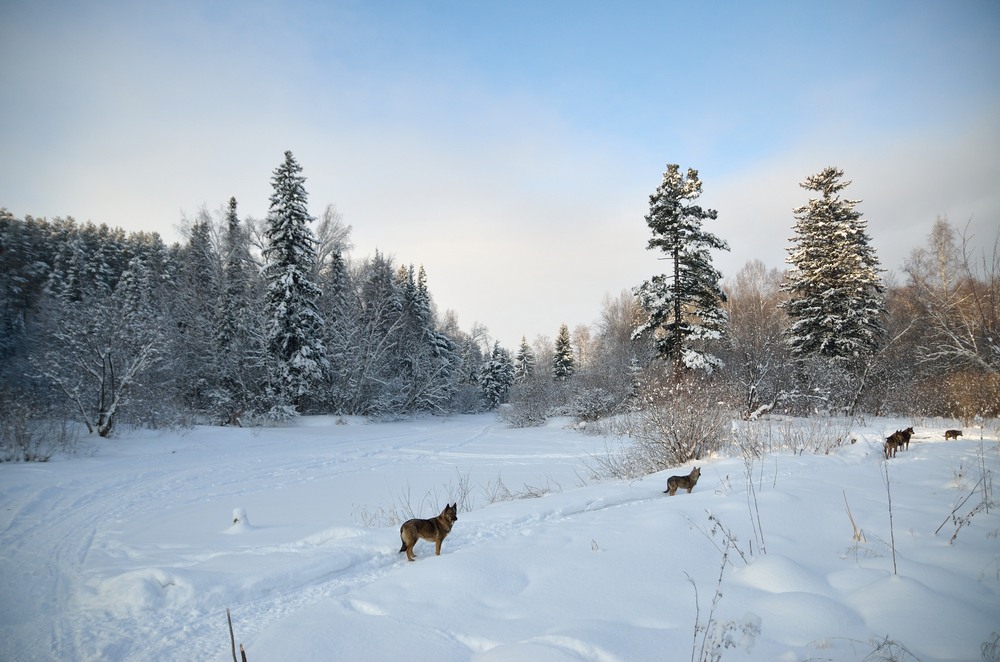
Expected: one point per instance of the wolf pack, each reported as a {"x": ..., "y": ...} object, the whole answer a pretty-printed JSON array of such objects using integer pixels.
[
  {"x": 900, "y": 440},
  {"x": 437, "y": 528}
]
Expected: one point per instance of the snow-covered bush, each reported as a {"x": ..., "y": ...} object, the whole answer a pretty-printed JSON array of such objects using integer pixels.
[
  {"x": 530, "y": 404},
  {"x": 24, "y": 438},
  {"x": 593, "y": 403},
  {"x": 674, "y": 422}
]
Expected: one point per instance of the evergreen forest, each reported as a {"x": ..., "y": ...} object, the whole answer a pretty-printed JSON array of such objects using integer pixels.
[{"x": 253, "y": 320}]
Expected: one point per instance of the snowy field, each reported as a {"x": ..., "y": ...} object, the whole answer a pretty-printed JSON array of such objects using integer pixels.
[{"x": 129, "y": 552}]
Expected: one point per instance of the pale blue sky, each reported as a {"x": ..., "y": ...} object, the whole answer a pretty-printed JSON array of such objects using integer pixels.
[{"x": 510, "y": 147}]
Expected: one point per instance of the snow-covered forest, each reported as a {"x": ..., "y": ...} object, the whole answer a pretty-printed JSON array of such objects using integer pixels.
[
  {"x": 334, "y": 374},
  {"x": 264, "y": 319}
]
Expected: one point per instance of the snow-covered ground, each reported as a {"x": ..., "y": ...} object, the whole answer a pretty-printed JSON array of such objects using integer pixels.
[{"x": 130, "y": 552}]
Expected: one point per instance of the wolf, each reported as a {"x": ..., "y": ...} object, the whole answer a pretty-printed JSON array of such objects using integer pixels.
[
  {"x": 892, "y": 444},
  {"x": 952, "y": 434},
  {"x": 889, "y": 448},
  {"x": 904, "y": 437},
  {"x": 684, "y": 482},
  {"x": 434, "y": 529}
]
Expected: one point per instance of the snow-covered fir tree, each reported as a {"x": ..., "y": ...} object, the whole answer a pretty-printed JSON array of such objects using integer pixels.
[
  {"x": 563, "y": 361},
  {"x": 233, "y": 298},
  {"x": 497, "y": 376},
  {"x": 238, "y": 334},
  {"x": 836, "y": 303},
  {"x": 294, "y": 324},
  {"x": 524, "y": 362},
  {"x": 66, "y": 277},
  {"x": 425, "y": 354},
  {"x": 198, "y": 282},
  {"x": 684, "y": 305},
  {"x": 338, "y": 305}
]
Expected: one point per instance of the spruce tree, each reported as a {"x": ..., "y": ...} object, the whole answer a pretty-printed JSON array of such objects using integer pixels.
[
  {"x": 372, "y": 366},
  {"x": 425, "y": 355},
  {"x": 338, "y": 306},
  {"x": 294, "y": 324},
  {"x": 836, "y": 301},
  {"x": 497, "y": 376},
  {"x": 235, "y": 284},
  {"x": 524, "y": 362},
  {"x": 684, "y": 306},
  {"x": 563, "y": 362},
  {"x": 238, "y": 337},
  {"x": 193, "y": 301}
]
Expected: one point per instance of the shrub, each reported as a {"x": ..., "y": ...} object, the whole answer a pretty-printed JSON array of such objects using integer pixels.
[
  {"x": 675, "y": 422},
  {"x": 27, "y": 439}
]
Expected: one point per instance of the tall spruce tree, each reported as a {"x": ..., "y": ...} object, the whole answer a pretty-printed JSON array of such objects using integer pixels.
[
  {"x": 684, "y": 306},
  {"x": 563, "y": 361},
  {"x": 294, "y": 324},
  {"x": 238, "y": 336},
  {"x": 836, "y": 301}
]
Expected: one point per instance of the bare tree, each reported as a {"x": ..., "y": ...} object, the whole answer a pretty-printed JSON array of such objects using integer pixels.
[
  {"x": 757, "y": 364},
  {"x": 583, "y": 345},
  {"x": 101, "y": 349},
  {"x": 955, "y": 287},
  {"x": 958, "y": 293}
]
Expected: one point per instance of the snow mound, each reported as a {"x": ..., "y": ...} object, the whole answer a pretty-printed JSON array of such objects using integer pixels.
[
  {"x": 775, "y": 573},
  {"x": 241, "y": 523},
  {"x": 139, "y": 591},
  {"x": 799, "y": 619}
]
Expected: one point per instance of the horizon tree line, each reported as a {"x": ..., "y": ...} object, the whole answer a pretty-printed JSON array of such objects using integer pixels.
[{"x": 267, "y": 319}]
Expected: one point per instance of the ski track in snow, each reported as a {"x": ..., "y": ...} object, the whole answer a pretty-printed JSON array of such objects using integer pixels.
[{"x": 65, "y": 521}]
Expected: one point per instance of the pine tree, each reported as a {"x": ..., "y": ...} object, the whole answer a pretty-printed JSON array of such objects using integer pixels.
[
  {"x": 563, "y": 363},
  {"x": 685, "y": 305},
  {"x": 294, "y": 324},
  {"x": 836, "y": 301},
  {"x": 524, "y": 362}
]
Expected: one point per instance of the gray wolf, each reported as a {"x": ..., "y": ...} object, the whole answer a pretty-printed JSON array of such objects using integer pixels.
[
  {"x": 896, "y": 440},
  {"x": 434, "y": 529},
  {"x": 683, "y": 482},
  {"x": 904, "y": 436},
  {"x": 892, "y": 444},
  {"x": 952, "y": 434}
]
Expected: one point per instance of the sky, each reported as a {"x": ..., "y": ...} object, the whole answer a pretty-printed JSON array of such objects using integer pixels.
[{"x": 508, "y": 147}]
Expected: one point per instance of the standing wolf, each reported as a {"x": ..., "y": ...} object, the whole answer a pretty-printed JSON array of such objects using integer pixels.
[
  {"x": 683, "y": 482},
  {"x": 904, "y": 436},
  {"x": 434, "y": 529}
]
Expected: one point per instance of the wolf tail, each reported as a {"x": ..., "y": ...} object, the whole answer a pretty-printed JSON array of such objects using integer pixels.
[{"x": 403, "y": 548}]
